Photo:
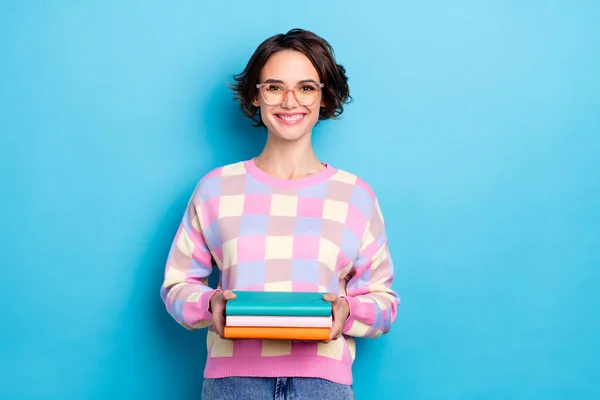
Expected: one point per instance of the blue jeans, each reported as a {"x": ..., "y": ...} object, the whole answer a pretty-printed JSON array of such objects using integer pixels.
[{"x": 241, "y": 388}]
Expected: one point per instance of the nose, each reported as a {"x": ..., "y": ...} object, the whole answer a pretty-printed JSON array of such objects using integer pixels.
[{"x": 289, "y": 100}]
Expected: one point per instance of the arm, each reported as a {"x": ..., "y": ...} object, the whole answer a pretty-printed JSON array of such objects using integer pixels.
[
  {"x": 184, "y": 290},
  {"x": 373, "y": 303}
]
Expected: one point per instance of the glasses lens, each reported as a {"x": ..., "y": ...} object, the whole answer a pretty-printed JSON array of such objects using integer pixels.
[
  {"x": 273, "y": 93},
  {"x": 307, "y": 93}
]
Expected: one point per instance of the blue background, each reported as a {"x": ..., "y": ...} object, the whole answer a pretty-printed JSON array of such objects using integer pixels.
[{"x": 477, "y": 123}]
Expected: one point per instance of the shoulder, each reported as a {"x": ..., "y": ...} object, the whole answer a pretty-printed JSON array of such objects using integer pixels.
[
  {"x": 233, "y": 169},
  {"x": 358, "y": 192},
  {"x": 363, "y": 195},
  {"x": 211, "y": 183},
  {"x": 359, "y": 184}
]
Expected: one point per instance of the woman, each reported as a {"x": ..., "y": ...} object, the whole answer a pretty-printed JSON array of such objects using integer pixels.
[{"x": 283, "y": 221}]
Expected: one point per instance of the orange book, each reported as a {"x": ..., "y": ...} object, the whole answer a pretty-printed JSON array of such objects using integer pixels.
[{"x": 266, "y": 332}]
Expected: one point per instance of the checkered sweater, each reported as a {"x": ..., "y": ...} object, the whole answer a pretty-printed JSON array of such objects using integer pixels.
[{"x": 322, "y": 233}]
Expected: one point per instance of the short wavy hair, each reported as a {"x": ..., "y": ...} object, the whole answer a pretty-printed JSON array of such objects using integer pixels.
[{"x": 336, "y": 92}]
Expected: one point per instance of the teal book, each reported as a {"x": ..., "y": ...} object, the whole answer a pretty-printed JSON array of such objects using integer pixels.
[{"x": 301, "y": 304}]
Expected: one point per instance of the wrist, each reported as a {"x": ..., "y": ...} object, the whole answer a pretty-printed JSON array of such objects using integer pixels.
[{"x": 352, "y": 305}]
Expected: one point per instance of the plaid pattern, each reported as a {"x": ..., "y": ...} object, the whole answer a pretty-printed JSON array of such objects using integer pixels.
[{"x": 324, "y": 233}]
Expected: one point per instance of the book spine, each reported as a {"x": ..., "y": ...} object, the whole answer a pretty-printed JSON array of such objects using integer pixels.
[
  {"x": 278, "y": 321},
  {"x": 242, "y": 332},
  {"x": 277, "y": 310}
]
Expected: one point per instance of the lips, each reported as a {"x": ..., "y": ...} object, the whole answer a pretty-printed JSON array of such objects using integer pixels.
[{"x": 290, "y": 119}]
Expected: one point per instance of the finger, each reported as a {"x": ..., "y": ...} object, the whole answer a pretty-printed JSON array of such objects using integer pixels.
[
  {"x": 333, "y": 334},
  {"x": 218, "y": 325},
  {"x": 333, "y": 331},
  {"x": 229, "y": 295},
  {"x": 331, "y": 297},
  {"x": 336, "y": 330}
]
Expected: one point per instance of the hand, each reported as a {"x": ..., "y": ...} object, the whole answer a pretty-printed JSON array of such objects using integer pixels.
[
  {"x": 217, "y": 308},
  {"x": 341, "y": 312}
]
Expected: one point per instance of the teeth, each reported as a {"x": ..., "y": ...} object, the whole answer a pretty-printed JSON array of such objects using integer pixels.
[{"x": 291, "y": 118}]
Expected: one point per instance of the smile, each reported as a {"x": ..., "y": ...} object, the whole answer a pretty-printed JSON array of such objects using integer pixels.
[{"x": 290, "y": 119}]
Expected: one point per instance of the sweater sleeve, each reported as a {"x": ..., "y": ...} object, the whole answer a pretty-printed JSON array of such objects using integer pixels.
[
  {"x": 373, "y": 303},
  {"x": 185, "y": 289}
]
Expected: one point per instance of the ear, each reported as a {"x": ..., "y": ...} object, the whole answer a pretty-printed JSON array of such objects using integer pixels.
[{"x": 255, "y": 102}]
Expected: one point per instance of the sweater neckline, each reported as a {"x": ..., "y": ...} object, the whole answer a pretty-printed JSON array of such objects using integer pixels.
[{"x": 299, "y": 183}]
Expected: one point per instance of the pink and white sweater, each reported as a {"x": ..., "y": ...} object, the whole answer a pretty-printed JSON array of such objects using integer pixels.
[{"x": 322, "y": 233}]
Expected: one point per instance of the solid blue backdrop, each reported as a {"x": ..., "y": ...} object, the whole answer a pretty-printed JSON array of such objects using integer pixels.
[{"x": 477, "y": 123}]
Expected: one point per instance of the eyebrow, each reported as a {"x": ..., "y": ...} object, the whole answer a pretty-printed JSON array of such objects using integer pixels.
[{"x": 280, "y": 81}]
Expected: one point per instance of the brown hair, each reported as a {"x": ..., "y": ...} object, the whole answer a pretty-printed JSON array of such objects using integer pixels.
[{"x": 336, "y": 92}]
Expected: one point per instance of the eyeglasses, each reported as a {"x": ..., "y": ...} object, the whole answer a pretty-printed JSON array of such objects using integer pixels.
[{"x": 305, "y": 93}]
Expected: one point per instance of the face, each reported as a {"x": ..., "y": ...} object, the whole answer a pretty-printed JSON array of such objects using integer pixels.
[{"x": 289, "y": 120}]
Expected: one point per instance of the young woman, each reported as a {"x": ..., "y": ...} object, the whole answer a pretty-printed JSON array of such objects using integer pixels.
[{"x": 284, "y": 221}]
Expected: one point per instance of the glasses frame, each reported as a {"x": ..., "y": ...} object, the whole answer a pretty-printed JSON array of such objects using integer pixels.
[{"x": 260, "y": 87}]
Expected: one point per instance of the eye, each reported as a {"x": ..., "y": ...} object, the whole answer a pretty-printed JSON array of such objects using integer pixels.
[
  {"x": 307, "y": 88},
  {"x": 274, "y": 88}
]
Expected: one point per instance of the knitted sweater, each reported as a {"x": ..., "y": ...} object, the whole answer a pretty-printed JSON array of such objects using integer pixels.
[{"x": 322, "y": 233}]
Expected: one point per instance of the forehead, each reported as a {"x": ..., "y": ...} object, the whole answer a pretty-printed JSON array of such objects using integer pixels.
[{"x": 288, "y": 66}]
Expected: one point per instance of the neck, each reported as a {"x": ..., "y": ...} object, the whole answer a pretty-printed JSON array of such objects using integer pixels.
[{"x": 287, "y": 159}]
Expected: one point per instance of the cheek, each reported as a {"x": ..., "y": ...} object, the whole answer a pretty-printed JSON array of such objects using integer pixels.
[
  {"x": 314, "y": 112},
  {"x": 266, "y": 114}
]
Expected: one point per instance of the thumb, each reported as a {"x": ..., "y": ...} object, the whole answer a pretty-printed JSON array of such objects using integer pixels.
[
  {"x": 229, "y": 295},
  {"x": 330, "y": 297}
]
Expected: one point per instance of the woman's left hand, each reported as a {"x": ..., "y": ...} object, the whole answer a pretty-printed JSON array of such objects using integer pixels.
[{"x": 341, "y": 311}]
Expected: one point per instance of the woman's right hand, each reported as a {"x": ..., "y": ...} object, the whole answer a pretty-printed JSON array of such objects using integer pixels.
[{"x": 217, "y": 308}]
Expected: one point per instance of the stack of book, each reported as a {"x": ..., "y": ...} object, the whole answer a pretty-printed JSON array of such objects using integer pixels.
[{"x": 278, "y": 315}]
